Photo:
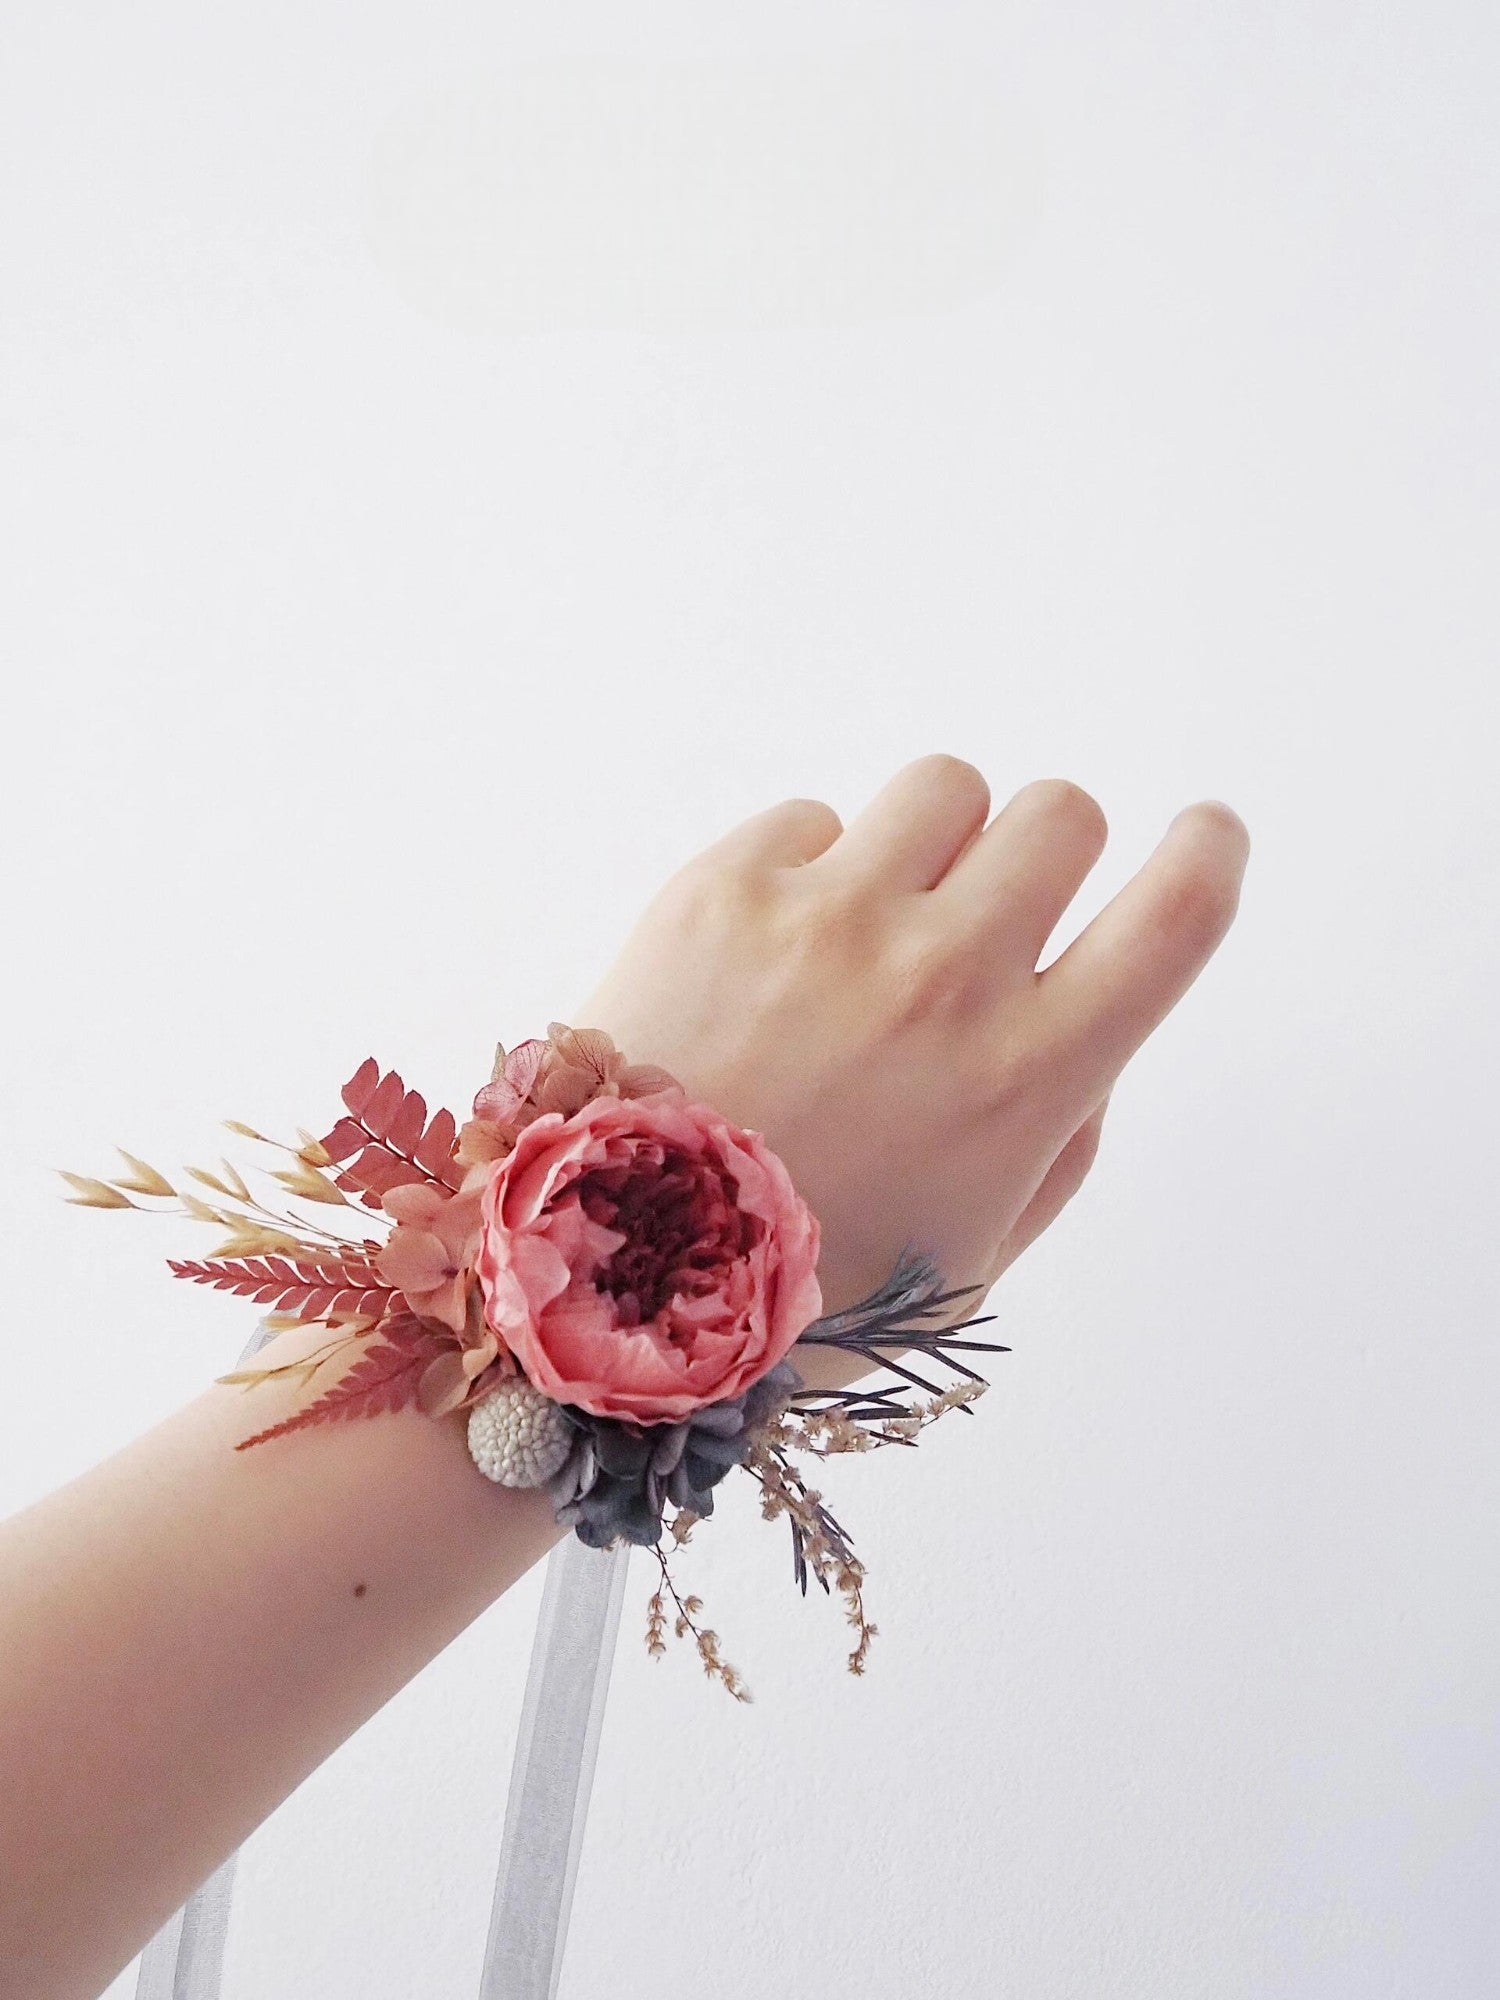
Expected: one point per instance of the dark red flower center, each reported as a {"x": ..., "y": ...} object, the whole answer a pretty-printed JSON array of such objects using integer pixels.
[{"x": 681, "y": 1225}]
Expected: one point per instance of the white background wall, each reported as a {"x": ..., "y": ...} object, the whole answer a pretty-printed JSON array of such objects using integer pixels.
[{"x": 456, "y": 460}]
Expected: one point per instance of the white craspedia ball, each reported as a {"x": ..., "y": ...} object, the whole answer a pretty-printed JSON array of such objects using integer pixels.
[{"x": 517, "y": 1436}]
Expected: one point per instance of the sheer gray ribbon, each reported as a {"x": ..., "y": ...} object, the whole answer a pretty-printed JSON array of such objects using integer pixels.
[{"x": 551, "y": 1776}]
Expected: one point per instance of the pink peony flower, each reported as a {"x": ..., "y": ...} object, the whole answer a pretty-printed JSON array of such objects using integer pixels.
[{"x": 642, "y": 1257}]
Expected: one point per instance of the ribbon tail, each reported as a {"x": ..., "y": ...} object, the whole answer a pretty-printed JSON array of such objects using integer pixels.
[
  {"x": 553, "y": 1771},
  {"x": 185, "y": 1960}
]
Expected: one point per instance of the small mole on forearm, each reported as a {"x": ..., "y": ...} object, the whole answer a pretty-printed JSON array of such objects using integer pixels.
[{"x": 359, "y": 1590}]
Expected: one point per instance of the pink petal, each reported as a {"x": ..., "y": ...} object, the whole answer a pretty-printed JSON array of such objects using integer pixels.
[
  {"x": 457, "y": 1224},
  {"x": 523, "y": 1063},
  {"x": 540, "y": 1268},
  {"x": 443, "y": 1386},
  {"x": 497, "y": 1102},
  {"x": 415, "y": 1201},
  {"x": 413, "y": 1260}
]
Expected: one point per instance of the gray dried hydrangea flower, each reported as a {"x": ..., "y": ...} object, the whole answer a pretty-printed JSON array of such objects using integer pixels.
[{"x": 617, "y": 1479}]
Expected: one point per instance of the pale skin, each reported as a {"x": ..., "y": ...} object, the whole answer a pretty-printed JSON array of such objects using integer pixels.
[{"x": 186, "y": 1631}]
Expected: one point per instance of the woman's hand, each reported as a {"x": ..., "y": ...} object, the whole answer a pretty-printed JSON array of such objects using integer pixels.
[{"x": 868, "y": 998}]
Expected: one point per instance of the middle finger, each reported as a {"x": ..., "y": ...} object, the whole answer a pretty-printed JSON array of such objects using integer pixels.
[{"x": 1010, "y": 887}]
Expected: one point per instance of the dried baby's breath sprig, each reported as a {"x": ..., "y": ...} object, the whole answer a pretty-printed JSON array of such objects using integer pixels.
[
  {"x": 836, "y": 1428},
  {"x": 827, "y": 1432},
  {"x": 686, "y": 1625},
  {"x": 656, "y": 1623},
  {"x": 905, "y": 1429},
  {"x": 681, "y": 1527},
  {"x": 820, "y": 1546}
]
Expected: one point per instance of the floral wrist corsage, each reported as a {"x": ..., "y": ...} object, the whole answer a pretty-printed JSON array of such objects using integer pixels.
[{"x": 603, "y": 1278}]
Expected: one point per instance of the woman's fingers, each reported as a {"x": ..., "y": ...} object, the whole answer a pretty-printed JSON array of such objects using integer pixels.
[
  {"x": 1060, "y": 1183},
  {"x": 1009, "y": 888},
  {"x": 911, "y": 832},
  {"x": 783, "y": 836},
  {"x": 1128, "y": 969}
]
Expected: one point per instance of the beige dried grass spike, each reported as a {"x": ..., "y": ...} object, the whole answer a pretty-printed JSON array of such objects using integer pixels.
[
  {"x": 247, "y": 1131},
  {"x": 92, "y": 1193},
  {"x": 143, "y": 1179},
  {"x": 308, "y": 1184}
]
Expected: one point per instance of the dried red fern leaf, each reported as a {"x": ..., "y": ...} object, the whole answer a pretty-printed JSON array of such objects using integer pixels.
[
  {"x": 360, "y": 1088},
  {"x": 383, "y": 1106},
  {"x": 383, "y": 1380},
  {"x": 435, "y": 1149},
  {"x": 329, "y": 1289},
  {"x": 388, "y": 1141},
  {"x": 404, "y": 1132}
]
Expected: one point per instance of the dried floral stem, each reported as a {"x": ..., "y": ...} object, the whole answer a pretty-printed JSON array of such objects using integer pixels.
[
  {"x": 820, "y": 1546},
  {"x": 686, "y": 1625},
  {"x": 837, "y": 1428},
  {"x": 246, "y": 1217},
  {"x": 681, "y": 1527},
  {"x": 306, "y": 1223},
  {"x": 656, "y": 1623},
  {"x": 304, "y": 1369}
]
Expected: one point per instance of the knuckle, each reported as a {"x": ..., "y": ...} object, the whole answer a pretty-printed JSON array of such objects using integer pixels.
[
  {"x": 1016, "y": 1081},
  {"x": 707, "y": 896},
  {"x": 925, "y": 979},
  {"x": 816, "y": 944}
]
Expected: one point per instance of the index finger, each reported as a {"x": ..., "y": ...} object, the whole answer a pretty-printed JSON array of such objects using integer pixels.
[{"x": 1126, "y": 971}]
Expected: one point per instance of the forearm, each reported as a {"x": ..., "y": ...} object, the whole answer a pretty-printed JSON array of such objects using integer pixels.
[{"x": 187, "y": 1631}]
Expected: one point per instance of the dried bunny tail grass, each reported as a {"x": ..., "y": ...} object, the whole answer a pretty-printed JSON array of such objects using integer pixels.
[{"x": 685, "y": 1625}]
